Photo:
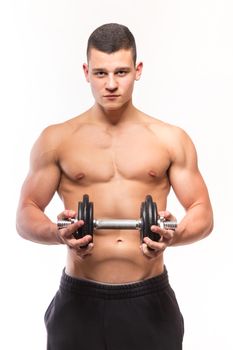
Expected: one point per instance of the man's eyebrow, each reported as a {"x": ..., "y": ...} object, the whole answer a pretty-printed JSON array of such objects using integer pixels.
[
  {"x": 124, "y": 68},
  {"x": 98, "y": 69}
]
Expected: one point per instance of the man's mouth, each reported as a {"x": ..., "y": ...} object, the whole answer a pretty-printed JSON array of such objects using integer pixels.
[{"x": 111, "y": 96}]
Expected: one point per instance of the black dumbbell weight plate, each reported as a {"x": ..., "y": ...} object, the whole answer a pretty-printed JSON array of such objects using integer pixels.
[
  {"x": 85, "y": 213},
  {"x": 80, "y": 232},
  {"x": 88, "y": 216},
  {"x": 149, "y": 215}
]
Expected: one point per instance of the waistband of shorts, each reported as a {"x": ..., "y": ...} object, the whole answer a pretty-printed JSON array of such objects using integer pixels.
[{"x": 114, "y": 291}]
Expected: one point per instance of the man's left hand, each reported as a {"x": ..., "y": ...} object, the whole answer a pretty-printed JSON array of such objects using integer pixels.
[{"x": 153, "y": 249}]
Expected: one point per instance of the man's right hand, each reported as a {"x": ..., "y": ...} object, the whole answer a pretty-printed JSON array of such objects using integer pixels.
[{"x": 82, "y": 246}]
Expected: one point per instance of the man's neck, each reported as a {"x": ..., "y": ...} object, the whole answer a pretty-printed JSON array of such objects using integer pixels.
[{"x": 113, "y": 117}]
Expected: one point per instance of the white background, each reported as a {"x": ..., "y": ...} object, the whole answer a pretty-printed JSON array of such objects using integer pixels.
[{"x": 187, "y": 50}]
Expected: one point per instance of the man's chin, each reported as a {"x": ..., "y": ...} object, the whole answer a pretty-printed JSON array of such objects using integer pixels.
[{"x": 110, "y": 107}]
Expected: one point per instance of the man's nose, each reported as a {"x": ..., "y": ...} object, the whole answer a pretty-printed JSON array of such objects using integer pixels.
[{"x": 111, "y": 83}]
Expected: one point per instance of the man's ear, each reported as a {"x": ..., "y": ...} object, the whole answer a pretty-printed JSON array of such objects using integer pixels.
[
  {"x": 139, "y": 67},
  {"x": 86, "y": 71}
]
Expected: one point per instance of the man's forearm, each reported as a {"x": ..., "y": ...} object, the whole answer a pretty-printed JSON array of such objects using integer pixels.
[
  {"x": 196, "y": 225},
  {"x": 34, "y": 225}
]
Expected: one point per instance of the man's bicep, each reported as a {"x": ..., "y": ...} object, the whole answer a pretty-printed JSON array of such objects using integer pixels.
[
  {"x": 188, "y": 186},
  {"x": 44, "y": 175},
  {"x": 40, "y": 186},
  {"x": 185, "y": 177}
]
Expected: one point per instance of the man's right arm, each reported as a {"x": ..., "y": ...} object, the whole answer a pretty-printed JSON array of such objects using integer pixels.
[{"x": 38, "y": 189}]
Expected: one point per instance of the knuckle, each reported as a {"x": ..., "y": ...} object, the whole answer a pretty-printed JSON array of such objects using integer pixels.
[{"x": 72, "y": 244}]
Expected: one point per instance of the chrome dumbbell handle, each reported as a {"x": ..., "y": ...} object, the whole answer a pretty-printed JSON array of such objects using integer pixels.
[
  {"x": 117, "y": 224},
  {"x": 64, "y": 223},
  {"x": 167, "y": 225},
  {"x": 131, "y": 224},
  {"x": 106, "y": 224},
  {"x": 121, "y": 224}
]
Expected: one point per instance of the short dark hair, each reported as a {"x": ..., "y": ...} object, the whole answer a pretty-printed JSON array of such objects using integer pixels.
[{"x": 110, "y": 38}]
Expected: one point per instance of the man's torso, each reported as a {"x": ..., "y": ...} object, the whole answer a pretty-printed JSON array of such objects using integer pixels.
[{"x": 117, "y": 167}]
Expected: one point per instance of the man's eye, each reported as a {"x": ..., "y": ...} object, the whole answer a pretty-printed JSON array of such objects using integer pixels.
[
  {"x": 121, "y": 73},
  {"x": 100, "y": 74}
]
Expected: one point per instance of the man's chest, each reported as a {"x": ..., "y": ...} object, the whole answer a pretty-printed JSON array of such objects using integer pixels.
[{"x": 103, "y": 157}]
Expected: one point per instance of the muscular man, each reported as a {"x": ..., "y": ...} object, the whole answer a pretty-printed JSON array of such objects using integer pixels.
[{"x": 114, "y": 292}]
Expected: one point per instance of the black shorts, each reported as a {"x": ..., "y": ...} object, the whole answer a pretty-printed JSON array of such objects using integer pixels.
[{"x": 86, "y": 315}]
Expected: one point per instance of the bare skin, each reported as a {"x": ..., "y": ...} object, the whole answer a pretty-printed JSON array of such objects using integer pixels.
[{"x": 117, "y": 155}]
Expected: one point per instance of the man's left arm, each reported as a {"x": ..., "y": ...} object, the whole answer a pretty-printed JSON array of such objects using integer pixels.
[{"x": 190, "y": 189}]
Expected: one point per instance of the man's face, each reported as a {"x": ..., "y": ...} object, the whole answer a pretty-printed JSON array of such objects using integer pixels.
[{"x": 112, "y": 77}]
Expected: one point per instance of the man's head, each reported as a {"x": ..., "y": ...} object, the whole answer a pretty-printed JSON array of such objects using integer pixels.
[
  {"x": 111, "y": 67},
  {"x": 110, "y": 38}
]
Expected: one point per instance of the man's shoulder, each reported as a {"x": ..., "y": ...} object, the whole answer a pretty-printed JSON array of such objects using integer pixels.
[
  {"x": 170, "y": 135},
  {"x": 64, "y": 128},
  {"x": 158, "y": 125}
]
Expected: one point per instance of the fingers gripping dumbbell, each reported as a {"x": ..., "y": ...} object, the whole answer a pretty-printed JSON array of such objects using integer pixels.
[{"x": 148, "y": 217}]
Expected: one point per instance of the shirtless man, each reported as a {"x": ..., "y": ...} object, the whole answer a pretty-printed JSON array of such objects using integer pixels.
[{"x": 114, "y": 292}]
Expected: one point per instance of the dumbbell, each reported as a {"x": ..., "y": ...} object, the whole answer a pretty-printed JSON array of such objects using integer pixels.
[{"x": 148, "y": 216}]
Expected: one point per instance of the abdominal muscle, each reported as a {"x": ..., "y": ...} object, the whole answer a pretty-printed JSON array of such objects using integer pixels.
[{"x": 116, "y": 256}]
